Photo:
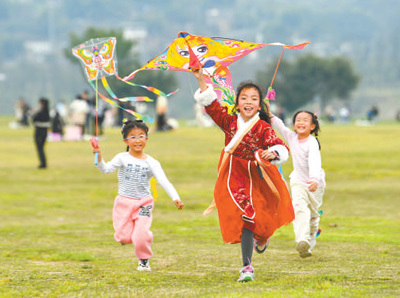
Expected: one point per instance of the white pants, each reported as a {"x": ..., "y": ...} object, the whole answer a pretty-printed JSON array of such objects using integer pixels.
[{"x": 306, "y": 205}]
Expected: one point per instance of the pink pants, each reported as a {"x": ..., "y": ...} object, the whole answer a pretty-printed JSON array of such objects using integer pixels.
[{"x": 132, "y": 221}]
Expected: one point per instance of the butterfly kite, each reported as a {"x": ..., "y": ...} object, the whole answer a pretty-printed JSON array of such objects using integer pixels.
[
  {"x": 214, "y": 55},
  {"x": 97, "y": 57}
]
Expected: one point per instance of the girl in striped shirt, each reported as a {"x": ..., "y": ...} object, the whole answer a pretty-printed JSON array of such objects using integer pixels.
[{"x": 133, "y": 206}]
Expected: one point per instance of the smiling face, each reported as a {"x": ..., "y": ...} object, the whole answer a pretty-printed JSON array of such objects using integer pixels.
[
  {"x": 303, "y": 125},
  {"x": 248, "y": 103},
  {"x": 136, "y": 140}
]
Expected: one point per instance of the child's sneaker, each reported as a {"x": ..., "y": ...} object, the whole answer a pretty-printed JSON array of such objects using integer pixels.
[
  {"x": 303, "y": 247},
  {"x": 260, "y": 248},
  {"x": 246, "y": 274},
  {"x": 144, "y": 265}
]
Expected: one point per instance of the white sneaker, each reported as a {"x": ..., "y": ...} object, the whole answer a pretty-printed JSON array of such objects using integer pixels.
[
  {"x": 246, "y": 274},
  {"x": 303, "y": 247},
  {"x": 144, "y": 265}
]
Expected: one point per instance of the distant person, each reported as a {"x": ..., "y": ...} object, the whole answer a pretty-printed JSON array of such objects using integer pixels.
[
  {"x": 372, "y": 113},
  {"x": 330, "y": 113},
  {"x": 79, "y": 108},
  {"x": 90, "y": 122},
  {"x": 251, "y": 203},
  {"x": 161, "y": 110},
  {"x": 344, "y": 114},
  {"x": 57, "y": 124},
  {"x": 103, "y": 107},
  {"x": 133, "y": 206},
  {"x": 398, "y": 116},
  {"x": 41, "y": 122},
  {"x": 281, "y": 113},
  {"x": 307, "y": 181},
  {"x": 22, "y": 111}
]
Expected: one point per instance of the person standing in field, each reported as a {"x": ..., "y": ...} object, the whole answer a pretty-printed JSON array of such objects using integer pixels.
[
  {"x": 307, "y": 181},
  {"x": 41, "y": 122},
  {"x": 133, "y": 207},
  {"x": 251, "y": 197},
  {"x": 79, "y": 109}
]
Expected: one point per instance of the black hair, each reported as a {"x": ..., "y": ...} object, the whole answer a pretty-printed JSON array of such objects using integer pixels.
[
  {"x": 44, "y": 108},
  {"x": 314, "y": 120},
  {"x": 129, "y": 124},
  {"x": 264, "y": 114}
]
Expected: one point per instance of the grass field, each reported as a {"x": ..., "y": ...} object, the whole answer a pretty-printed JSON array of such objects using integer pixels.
[{"x": 56, "y": 235}]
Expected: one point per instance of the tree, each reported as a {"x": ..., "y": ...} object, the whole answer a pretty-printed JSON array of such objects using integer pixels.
[
  {"x": 127, "y": 61},
  {"x": 301, "y": 81}
]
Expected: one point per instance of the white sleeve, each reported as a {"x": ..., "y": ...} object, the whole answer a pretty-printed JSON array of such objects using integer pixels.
[
  {"x": 206, "y": 97},
  {"x": 281, "y": 128},
  {"x": 314, "y": 161},
  {"x": 110, "y": 166},
  {"x": 282, "y": 152},
  {"x": 159, "y": 174}
]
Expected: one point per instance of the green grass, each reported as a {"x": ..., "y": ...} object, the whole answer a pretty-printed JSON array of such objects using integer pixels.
[{"x": 56, "y": 235}]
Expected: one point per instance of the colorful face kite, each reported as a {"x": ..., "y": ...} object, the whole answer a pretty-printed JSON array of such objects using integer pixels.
[
  {"x": 97, "y": 57},
  {"x": 210, "y": 52}
]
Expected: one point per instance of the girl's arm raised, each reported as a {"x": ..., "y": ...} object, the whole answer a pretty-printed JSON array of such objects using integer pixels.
[{"x": 198, "y": 73}]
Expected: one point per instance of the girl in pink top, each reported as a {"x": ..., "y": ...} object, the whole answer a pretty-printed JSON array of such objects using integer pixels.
[{"x": 307, "y": 181}]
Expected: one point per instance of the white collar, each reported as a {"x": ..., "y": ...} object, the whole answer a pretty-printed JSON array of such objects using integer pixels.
[
  {"x": 242, "y": 122},
  {"x": 242, "y": 127}
]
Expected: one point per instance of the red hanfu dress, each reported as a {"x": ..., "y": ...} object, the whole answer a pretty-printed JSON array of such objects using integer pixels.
[{"x": 240, "y": 185}]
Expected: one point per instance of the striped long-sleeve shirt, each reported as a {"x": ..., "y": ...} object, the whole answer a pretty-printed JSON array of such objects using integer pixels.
[{"x": 134, "y": 175}]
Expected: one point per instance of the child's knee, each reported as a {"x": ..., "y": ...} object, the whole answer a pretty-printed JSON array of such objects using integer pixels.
[
  {"x": 300, "y": 206},
  {"x": 122, "y": 238}
]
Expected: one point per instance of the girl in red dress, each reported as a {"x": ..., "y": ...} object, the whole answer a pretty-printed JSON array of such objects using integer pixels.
[{"x": 250, "y": 194}]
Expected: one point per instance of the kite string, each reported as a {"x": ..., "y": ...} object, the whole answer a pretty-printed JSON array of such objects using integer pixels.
[
  {"x": 137, "y": 115},
  {"x": 277, "y": 66}
]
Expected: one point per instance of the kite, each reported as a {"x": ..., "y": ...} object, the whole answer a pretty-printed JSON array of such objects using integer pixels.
[
  {"x": 97, "y": 59},
  {"x": 213, "y": 54}
]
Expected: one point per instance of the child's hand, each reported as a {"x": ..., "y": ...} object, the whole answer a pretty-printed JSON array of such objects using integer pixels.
[
  {"x": 312, "y": 186},
  {"x": 198, "y": 73},
  {"x": 179, "y": 204},
  {"x": 97, "y": 149},
  {"x": 268, "y": 155}
]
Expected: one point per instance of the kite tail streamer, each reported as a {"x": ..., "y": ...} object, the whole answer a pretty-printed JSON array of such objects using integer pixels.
[
  {"x": 137, "y": 115},
  {"x": 124, "y": 99},
  {"x": 149, "y": 88}
]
